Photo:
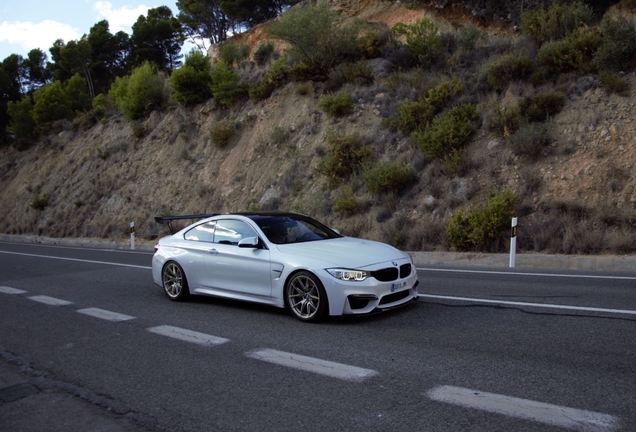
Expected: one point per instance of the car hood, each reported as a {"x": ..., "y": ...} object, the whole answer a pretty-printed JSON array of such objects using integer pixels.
[{"x": 347, "y": 252}]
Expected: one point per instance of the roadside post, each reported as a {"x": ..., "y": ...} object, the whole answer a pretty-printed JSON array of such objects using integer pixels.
[
  {"x": 513, "y": 242},
  {"x": 132, "y": 236}
]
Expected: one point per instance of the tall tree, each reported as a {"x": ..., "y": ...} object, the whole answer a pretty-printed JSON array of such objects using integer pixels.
[
  {"x": 108, "y": 55},
  {"x": 36, "y": 70},
  {"x": 157, "y": 38},
  {"x": 13, "y": 66},
  {"x": 76, "y": 58},
  {"x": 10, "y": 90},
  {"x": 54, "y": 66},
  {"x": 203, "y": 19},
  {"x": 252, "y": 12}
]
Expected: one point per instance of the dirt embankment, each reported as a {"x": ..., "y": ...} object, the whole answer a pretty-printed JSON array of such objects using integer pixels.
[{"x": 94, "y": 182}]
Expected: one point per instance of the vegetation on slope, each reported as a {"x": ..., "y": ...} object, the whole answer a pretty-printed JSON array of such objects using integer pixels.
[{"x": 440, "y": 89}]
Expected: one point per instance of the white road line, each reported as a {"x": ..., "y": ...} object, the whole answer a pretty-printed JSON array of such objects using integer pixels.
[
  {"x": 9, "y": 290},
  {"x": 106, "y": 315},
  {"x": 310, "y": 364},
  {"x": 188, "y": 335},
  {"x": 511, "y": 273},
  {"x": 77, "y": 260},
  {"x": 554, "y": 415},
  {"x": 534, "y": 305},
  {"x": 52, "y": 301}
]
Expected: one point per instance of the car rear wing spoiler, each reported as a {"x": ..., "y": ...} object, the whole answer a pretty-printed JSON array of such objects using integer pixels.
[{"x": 169, "y": 219}]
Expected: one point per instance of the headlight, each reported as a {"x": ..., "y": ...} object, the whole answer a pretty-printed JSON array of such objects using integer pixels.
[{"x": 348, "y": 275}]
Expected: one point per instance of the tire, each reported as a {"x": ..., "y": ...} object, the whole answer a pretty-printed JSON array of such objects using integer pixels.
[
  {"x": 305, "y": 297},
  {"x": 174, "y": 281}
]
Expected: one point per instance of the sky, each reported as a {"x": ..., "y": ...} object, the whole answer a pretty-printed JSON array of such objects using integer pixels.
[{"x": 28, "y": 24}]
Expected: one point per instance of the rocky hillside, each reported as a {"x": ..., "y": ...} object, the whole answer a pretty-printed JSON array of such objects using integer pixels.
[{"x": 578, "y": 196}]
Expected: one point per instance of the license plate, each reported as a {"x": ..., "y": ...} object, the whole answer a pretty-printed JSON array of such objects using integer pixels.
[{"x": 398, "y": 286}]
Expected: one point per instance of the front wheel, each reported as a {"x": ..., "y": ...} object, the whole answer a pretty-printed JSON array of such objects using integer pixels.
[
  {"x": 174, "y": 281},
  {"x": 306, "y": 297}
]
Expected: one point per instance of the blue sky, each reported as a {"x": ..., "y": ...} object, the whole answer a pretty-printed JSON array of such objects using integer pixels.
[{"x": 28, "y": 24}]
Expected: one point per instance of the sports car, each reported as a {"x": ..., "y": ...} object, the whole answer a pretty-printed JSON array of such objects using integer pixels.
[{"x": 286, "y": 260}]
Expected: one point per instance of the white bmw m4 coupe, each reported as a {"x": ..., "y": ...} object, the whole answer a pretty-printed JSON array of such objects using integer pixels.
[{"x": 286, "y": 260}]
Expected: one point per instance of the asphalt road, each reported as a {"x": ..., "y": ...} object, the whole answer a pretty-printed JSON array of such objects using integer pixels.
[{"x": 483, "y": 350}]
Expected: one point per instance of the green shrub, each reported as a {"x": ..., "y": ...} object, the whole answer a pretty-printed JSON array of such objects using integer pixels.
[
  {"x": 279, "y": 136},
  {"x": 618, "y": 44},
  {"x": 359, "y": 73},
  {"x": 225, "y": 84},
  {"x": 22, "y": 124},
  {"x": 345, "y": 155},
  {"x": 530, "y": 141},
  {"x": 416, "y": 115},
  {"x": 422, "y": 39},
  {"x": 336, "y": 104},
  {"x": 264, "y": 53},
  {"x": 572, "y": 54},
  {"x": 448, "y": 133},
  {"x": 557, "y": 21},
  {"x": 413, "y": 115},
  {"x": 468, "y": 36},
  {"x": 191, "y": 82},
  {"x": 223, "y": 132},
  {"x": 40, "y": 202},
  {"x": 346, "y": 203},
  {"x": 303, "y": 89},
  {"x": 277, "y": 76},
  {"x": 613, "y": 83},
  {"x": 139, "y": 129},
  {"x": 140, "y": 93},
  {"x": 504, "y": 120},
  {"x": 386, "y": 178},
  {"x": 77, "y": 91},
  {"x": 100, "y": 105},
  {"x": 371, "y": 42},
  {"x": 483, "y": 229},
  {"x": 318, "y": 36},
  {"x": 504, "y": 69},
  {"x": 542, "y": 106},
  {"x": 51, "y": 103},
  {"x": 443, "y": 93},
  {"x": 231, "y": 52}
]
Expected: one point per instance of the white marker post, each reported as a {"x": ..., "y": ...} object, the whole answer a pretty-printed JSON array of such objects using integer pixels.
[
  {"x": 513, "y": 242},
  {"x": 132, "y": 236}
]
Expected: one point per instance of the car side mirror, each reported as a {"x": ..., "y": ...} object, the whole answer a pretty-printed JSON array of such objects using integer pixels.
[
  {"x": 250, "y": 243},
  {"x": 336, "y": 231}
]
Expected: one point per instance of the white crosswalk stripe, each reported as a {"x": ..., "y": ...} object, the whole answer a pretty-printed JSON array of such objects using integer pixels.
[
  {"x": 105, "y": 315},
  {"x": 52, "y": 301},
  {"x": 554, "y": 415},
  {"x": 188, "y": 335},
  {"x": 311, "y": 364}
]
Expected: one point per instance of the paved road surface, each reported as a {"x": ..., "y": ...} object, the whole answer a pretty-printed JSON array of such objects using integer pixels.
[{"x": 484, "y": 350}]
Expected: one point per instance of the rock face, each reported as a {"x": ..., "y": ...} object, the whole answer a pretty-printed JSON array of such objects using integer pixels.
[{"x": 94, "y": 182}]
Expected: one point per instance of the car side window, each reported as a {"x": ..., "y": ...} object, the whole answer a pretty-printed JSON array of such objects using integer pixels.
[
  {"x": 203, "y": 232},
  {"x": 230, "y": 232}
]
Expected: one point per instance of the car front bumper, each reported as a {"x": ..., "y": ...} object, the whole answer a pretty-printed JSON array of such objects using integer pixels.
[{"x": 370, "y": 295}]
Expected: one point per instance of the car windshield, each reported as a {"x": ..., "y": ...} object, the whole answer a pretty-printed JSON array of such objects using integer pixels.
[{"x": 286, "y": 229}]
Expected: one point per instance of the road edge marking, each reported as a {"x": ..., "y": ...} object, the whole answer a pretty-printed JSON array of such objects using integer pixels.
[{"x": 526, "y": 304}]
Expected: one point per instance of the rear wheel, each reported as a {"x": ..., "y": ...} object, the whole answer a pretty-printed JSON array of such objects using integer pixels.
[
  {"x": 174, "y": 281},
  {"x": 306, "y": 297}
]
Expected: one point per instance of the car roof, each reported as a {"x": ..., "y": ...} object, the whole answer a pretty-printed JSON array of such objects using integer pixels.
[{"x": 268, "y": 214}]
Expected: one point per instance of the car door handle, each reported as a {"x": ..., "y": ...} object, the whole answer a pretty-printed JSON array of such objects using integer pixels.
[{"x": 213, "y": 251}]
